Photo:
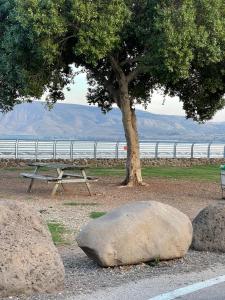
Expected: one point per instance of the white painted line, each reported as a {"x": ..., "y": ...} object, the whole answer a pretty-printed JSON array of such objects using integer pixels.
[{"x": 189, "y": 289}]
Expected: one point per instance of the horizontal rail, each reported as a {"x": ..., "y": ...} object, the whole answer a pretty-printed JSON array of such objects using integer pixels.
[{"x": 68, "y": 149}]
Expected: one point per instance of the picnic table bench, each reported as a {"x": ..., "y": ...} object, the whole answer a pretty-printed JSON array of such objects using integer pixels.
[{"x": 64, "y": 174}]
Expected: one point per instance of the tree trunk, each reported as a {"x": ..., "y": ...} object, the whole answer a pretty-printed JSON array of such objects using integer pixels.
[{"x": 133, "y": 165}]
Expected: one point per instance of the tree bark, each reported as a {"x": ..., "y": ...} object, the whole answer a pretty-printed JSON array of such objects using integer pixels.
[{"x": 133, "y": 164}]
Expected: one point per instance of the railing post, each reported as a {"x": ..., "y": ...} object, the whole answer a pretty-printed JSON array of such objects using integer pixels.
[
  {"x": 16, "y": 149},
  {"x": 36, "y": 150},
  {"x": 95, "y": 150},
  {"x": 71, "y": 150},
  {"x": 117, "y": 150},
  {"x": 156, "y": 149},
  {"x": 175, "y": 150},
  {"x": 54, "y": 149},
  {"x": 208, "y": 152},
  {"x": 192, "y": 150}
]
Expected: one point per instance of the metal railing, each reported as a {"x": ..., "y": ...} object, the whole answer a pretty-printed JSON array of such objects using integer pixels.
[{"x": 68, "y": 149}]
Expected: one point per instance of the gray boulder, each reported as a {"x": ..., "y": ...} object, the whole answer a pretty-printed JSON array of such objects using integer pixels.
[
  {"x": 136, "y": 232},
  {"x": 209, "y": 229},
  {"x": 29, "y": 260}
]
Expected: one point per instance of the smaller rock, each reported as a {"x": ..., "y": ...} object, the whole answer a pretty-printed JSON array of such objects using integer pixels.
[
  {"x": 30, "y": 263},
  {"x": 209, "y": 229}
]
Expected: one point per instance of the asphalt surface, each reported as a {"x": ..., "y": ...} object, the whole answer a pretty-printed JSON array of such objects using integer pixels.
[
  {"x": 216, "y": 292},
  {"x": 154, "y": 287}
]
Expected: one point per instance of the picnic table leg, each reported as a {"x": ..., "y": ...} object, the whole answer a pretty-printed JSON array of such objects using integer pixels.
[
  {"x": 55, "y": 188},
  {"x": 87, "y": 184},
  {"x": 32, "y": 181},
  {"x": 30, "y": 185},
  {"x": 63, "y": 187},
  {"x": 89, "y": 188}
]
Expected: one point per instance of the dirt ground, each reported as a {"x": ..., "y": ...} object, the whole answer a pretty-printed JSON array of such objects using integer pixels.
[
  {"x": 187, "y": 196},
  {"x": 83, "y": 275}
]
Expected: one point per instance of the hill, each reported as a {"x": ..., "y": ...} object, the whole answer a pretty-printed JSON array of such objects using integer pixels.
[{"x": 72, "y": 121}]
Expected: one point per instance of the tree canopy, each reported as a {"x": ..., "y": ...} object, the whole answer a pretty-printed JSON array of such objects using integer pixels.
[
  {"x": 175, "y": 45},
  {"x": 41, "y": 39}
]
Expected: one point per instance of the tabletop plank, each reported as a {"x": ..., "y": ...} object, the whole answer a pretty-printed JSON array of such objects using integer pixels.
[{"x": 60, "y": 166}]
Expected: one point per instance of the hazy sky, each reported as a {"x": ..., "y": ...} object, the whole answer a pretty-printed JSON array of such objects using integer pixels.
[{"x": 172, "y": 106}]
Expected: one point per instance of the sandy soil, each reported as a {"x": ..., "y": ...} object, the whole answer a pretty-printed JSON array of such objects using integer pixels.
[{"x": 188, "y": 196}]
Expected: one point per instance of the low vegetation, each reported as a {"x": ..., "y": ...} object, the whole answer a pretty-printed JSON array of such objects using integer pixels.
[
  {"x": 58, "y": 232},
  {"x": 97, "y": 214},
  {"x": 205, "y": 172},
  {"x": 80, "y": 203},
  {"x": 154, "y": 263}
]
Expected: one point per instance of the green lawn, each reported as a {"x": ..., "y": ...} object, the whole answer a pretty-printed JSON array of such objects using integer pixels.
[{"x": 206, "y": 172}]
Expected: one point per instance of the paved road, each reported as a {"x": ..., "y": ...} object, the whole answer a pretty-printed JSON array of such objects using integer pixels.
[
  {"x": 216, "y": 292},
  {"x": 162, "y": 287}
]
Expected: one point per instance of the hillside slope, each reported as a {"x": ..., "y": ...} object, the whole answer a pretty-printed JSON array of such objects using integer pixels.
[{"x": 87, "y": 122}]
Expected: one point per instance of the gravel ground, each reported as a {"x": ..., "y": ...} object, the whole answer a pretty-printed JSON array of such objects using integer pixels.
[{"x": 83, "y": 275}]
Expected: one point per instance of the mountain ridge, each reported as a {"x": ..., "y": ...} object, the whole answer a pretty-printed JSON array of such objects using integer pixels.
[{"x": 74, "y": 121}]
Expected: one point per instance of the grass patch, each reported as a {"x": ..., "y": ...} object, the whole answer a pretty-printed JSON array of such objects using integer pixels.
[
  {"x": 205, "y": 172},
  {"x": 26, "y": 168},
  {"x": 58, "y": 232},
  {"x": 80, "y": 204},
  {"x": 112, "y": 171},
  {"x": 154, "y": 263},
  {"x": 97, "y": 214},
  {"x": 201, "y": 173},
  {"x": 17, "y": 169}
]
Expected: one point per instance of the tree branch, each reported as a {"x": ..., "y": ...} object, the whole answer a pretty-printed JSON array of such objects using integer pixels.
[
  {"x": 107, "y": 84},
  {"x": 66, "y": 38},
  {"x": 131, "y": 60},
  {"x": 132, "y": 75},
  {"x": 117, "y": 69}
]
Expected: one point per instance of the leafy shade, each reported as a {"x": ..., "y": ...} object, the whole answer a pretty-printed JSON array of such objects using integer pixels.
[
  {"x": 41, "y": 39},
  {"x": 179, "y": 47},
  {"x": 193, "y": 51}
]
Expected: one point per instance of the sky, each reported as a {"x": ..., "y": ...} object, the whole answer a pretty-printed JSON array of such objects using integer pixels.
[{"x": 172, "y": 106}]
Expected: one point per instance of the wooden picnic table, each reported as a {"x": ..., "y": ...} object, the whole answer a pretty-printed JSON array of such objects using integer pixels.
[{"x": 65, "y": 173}]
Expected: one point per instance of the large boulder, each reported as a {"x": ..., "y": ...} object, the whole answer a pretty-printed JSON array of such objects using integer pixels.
[
  {"x": 209, "y": 229},
  {"x": 29, "y": 261},
  {"x": 137, "y": 232}
]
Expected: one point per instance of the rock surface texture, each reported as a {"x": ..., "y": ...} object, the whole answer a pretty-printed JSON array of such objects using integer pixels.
[
  {"x": 209, "y": 229},
  {"x": 29, "y": 261},
  {"x": 137, "y": 232}
]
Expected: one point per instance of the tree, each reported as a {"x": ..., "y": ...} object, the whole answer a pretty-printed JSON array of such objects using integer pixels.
[{"x": 128, "y": 48}]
